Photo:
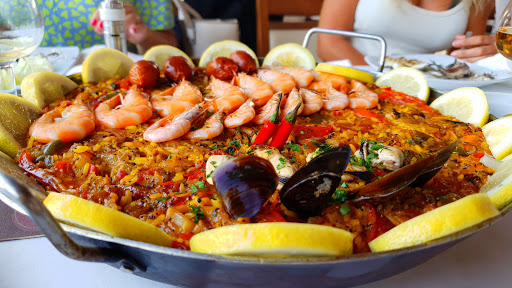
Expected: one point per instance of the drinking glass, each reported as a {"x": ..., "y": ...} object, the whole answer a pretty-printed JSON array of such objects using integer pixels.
[
  {"x": 21, "y": 32},
  {"x": 504, "y": 32}
]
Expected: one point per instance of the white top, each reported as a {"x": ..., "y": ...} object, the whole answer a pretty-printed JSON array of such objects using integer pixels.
[{"x": 408, "y": 29}]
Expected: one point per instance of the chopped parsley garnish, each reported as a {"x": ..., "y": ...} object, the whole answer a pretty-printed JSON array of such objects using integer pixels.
[
  {"x": 235, "y": 143},
  {"x": 293, "y": 160},
  {"x": 209, "y": 175},
  {"x": 250, "y": 152},
  {"x": 169, "y": 157},
  {"x": 269, "y": 152},
  {"x": 339, "y": 196},
  {"x": 344, "y": 209},
  {"x": 302, "y": 132},
  {"x": 193, "y": 189},
  {"x": 213, "y": 163},
  {"x": 193, "y": 128},
  {"x": 198, "y": 213},
  {"x": 305, "y": 146},
  {"x": 239, "y": 130},
  {"x": 200, "y": 185},
  {"x": 281, "y": 164},
  {"x": 409, "y": 141},
  {"x": 315, "y": 142},
  {"x": 344, "y": 185},
  {"x": 294, "y": 147},
  {"x": 163, "y": 199}
]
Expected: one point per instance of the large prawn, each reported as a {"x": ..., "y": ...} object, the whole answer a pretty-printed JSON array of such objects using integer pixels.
[
  {"x": 325, "y": 80},
  {"x": 258, "y": 90},
  {"x": 226, "y": 97},
  {"x": 123, "y": 111},
  {"x": 312, "y": 100},
  {"x": 170, "y": 127},
  {"x": 361, "y": 97},
  {"x": 65, "y": 123},
  {"x": 265, "y": 112},
  {"x": 280, "y": 81},
  {"x": 335, "y": 100},
  {"x": 292, "y": 101},
  {"x": 177, "y": 99},
  {"x": 301, "y": 76},
  {"x": 212, "y": 128},
  {"x": 241, "y": 116}
]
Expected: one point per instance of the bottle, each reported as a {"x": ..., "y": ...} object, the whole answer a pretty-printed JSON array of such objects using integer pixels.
[{"x": 113, "y": 15}]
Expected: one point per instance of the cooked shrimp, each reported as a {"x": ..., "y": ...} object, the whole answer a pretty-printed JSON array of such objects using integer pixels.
[
  {"x": 258, "y": 90},
  {"x": 226, "y": 96},
  {"x": 363, "y": 97},
  {"x": 123, "y": 111},
  {"x": 325, "y": 80},
  {"x": 212, "y": 128},
  {"x": 335, "y": 100},
  {"x": 241, "y": 116},
  {"x": 301, "y": 76},
  {"x": 184, "y": 96},
  {"x": 170, "y": 128},
  {"x": 312, "y": 100},
  {"x": 292, "y": 101},
  {"x": 280, "y": 81},
  {"x": 71, "y": 123},
  {"x": 265, "y": 112}
]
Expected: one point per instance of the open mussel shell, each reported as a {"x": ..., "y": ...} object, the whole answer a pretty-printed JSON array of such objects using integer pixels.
[
  {"x": 413, "y": 175},
  {"x": 244, "y": 184},
  {"x": 308, "y": 191}
]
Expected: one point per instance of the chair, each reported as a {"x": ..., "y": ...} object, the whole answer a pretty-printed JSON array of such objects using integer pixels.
[{"x": 265, "y": 9}]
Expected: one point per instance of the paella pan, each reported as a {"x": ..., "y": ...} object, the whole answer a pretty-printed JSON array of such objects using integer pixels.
[{"x": 360, "y": 133}]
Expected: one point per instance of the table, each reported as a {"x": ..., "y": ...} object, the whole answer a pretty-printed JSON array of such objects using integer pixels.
[{"x": 483, "y": 260}]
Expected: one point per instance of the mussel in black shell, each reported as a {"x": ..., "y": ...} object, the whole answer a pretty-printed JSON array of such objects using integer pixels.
[{"x": 244, "y": 184}]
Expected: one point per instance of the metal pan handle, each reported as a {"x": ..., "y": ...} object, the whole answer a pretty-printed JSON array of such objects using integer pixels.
[
  {"x": 25, "y": 198},
  {"x": 383, "y": 45}
]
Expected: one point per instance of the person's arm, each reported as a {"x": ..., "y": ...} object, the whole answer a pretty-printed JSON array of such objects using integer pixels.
[
  {"x": 480, "y": 45},
  {"x": 137, "y": 32},
  {"x": 338, "y": 14}
]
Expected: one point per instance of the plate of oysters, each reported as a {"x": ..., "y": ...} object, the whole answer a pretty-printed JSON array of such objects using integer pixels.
[{"x": 444, "y": 72}]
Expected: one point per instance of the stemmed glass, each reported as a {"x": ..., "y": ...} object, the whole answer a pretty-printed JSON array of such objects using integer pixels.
[
  {"x": 504, "y": 33},
  {"x": 21, "y": 32}
]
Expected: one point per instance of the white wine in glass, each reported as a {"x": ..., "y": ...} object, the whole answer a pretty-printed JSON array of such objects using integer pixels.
[
  {"x": 21, "y": 32},
  {"x": 504, "y": 32}
]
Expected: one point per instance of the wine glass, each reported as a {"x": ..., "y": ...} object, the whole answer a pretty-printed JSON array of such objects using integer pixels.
[
  {"x": 504, "y": 34},
  {"x": 21, "y": 32}
]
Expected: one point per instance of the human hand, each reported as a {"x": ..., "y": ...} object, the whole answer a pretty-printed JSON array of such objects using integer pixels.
[
  {"x": 474, "y": 48},
  {"x": 136, "y": 30}
]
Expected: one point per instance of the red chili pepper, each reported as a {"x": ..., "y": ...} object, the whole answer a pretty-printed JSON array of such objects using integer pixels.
[
  {"x": 285, "y": 128},
  {"x": 369, "y": 114},
  {"x": 46, "y": 178},
  {"x": 478, "y": 155},
  {"x": 270, "y": 128}
]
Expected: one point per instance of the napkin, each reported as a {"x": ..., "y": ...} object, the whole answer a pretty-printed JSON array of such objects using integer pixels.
[
  {"x": 15, "y": 225},
  {"x": 496, "y": 62}
]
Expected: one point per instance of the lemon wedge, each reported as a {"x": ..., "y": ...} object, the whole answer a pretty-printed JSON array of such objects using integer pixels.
[
  {"x": 437, "y": 223},
  {"x": 276, "y": 239},
  {"x": 160, "y": 53},
  {"x": 16, "y": 114},
  {"x": 290, "y": 54},
  {"x": 499, "y": 185},
  {"x": 105, "y": 63},
  {"x": 224, "y": 49},
  {"x": 468, "y": 104},
  {"x": 85, "y": 214},
  {"x": 45, "y": 87},
  {"x": 498, "y": 135},
  {"x": 345, "y": 71},
  {"x": 406, "y": 80}
]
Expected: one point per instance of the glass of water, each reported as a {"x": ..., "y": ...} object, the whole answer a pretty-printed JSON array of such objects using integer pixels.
[{"x": 21, "y": 32}]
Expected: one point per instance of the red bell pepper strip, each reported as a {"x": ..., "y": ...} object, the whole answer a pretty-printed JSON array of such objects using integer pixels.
[
  {"x": 378, "y": 225},
  {"x": 478, "y": 154},
  {"x": 26, "y": 162},
  {"x": 270, "y": 128},
  {"x": 285, "y": 128},
  {"x": 369, "y": 114},
  {"x": 308, "y": 131},
  {"x": 402, "y": 98}
]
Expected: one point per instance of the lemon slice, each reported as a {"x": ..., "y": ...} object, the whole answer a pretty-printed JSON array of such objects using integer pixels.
[
  {"x": 16, "y": 114},
  {"x": 345, "y": 71},
  {"x": 160, "y": 53},
  {"x": 105, "y": 63},
  {"x": 45, "y": 87},
  {"x": 274, "y": 239},
  {"x": 468, "y": 104},
  {"x": 290, "y": 54},
  {"x": 85, "y": 214},
  {"x": 498, "y": 135},
  {"x": 499, "y": 186},
  {"x": 437, "y": 223},
  {"x": 406, "y": 80},
  {"x": 224, "y": 49}
]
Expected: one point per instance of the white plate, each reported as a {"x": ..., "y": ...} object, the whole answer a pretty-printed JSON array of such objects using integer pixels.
[
  {"x": 62, "y": 58},
  {"x": 500, "y": 104},
  {"x": 444, "y": 60}
]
